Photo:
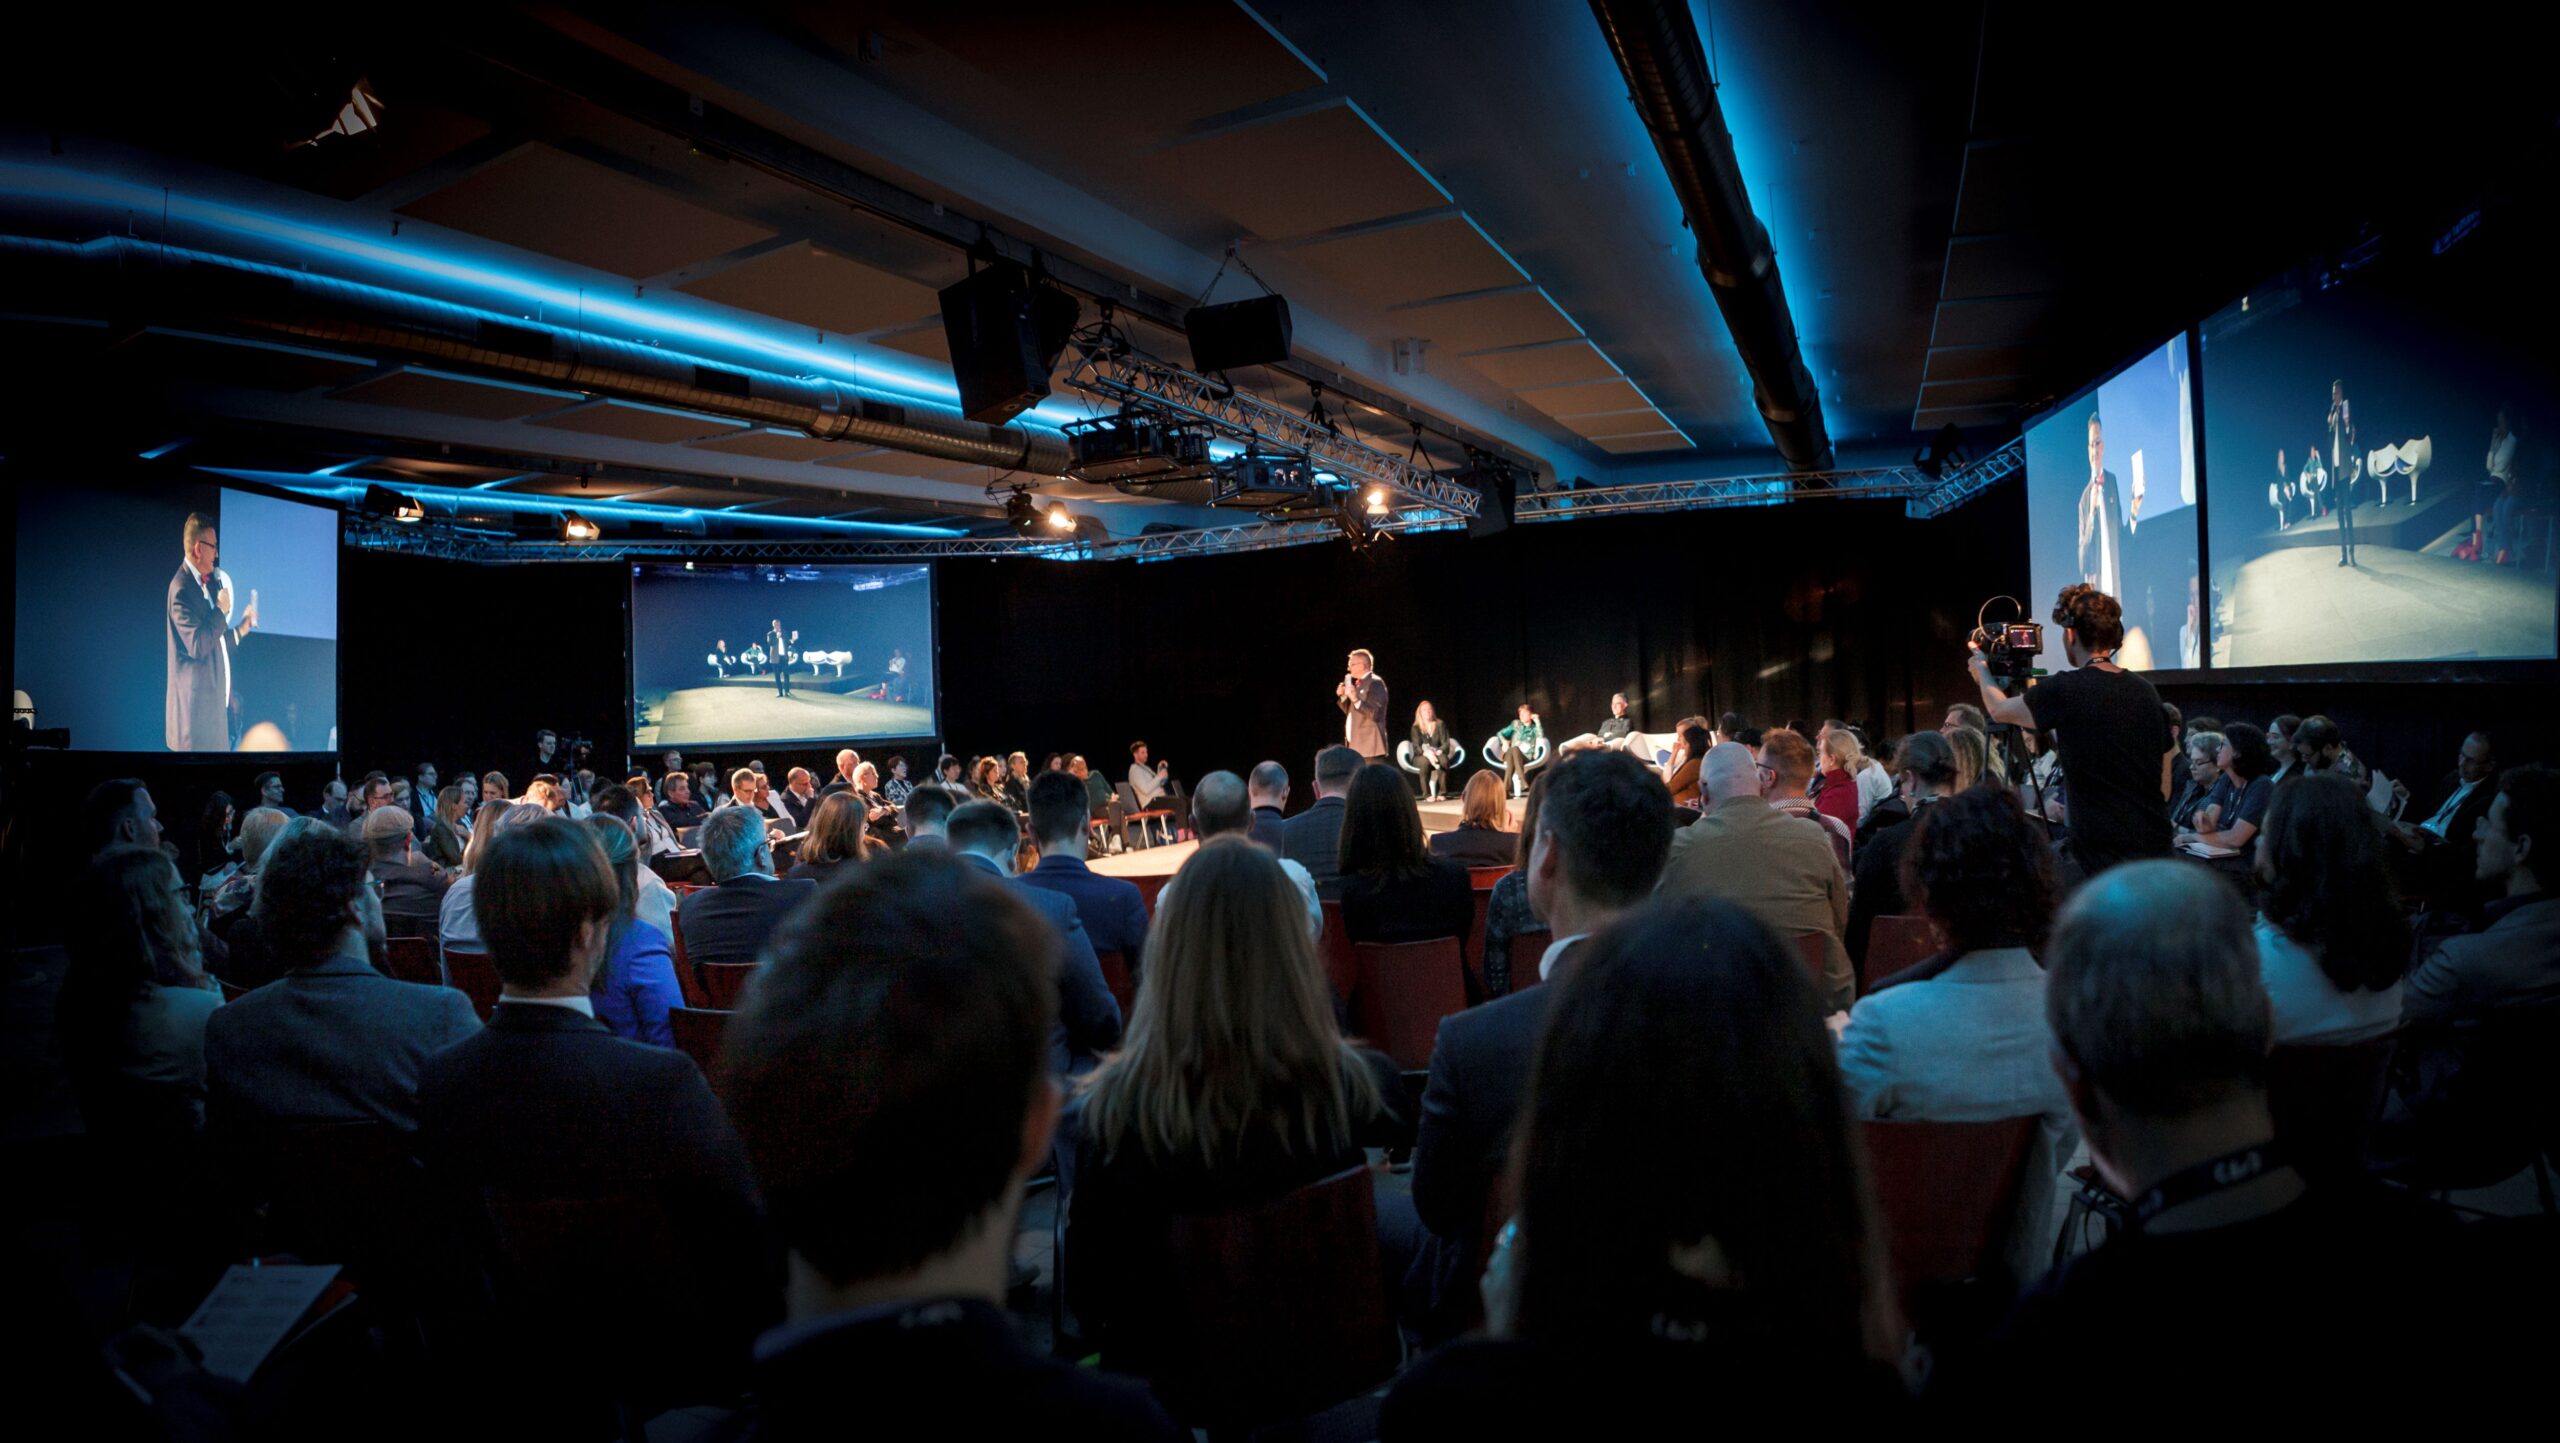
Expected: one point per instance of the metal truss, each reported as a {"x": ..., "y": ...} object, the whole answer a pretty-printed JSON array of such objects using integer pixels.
[
  {"x": 1923, "y": 496},
  {"x": 1953, "y": 491},
  {"x": 1147, "y": 385}
]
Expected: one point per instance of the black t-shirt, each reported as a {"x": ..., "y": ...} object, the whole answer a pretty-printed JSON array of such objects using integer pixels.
[{"x": 2109, "y": 730}]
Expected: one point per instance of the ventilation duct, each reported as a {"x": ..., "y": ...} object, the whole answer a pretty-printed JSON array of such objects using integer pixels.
[
  {"x": 140, "y": 283},
  {"x": 1657, "y": 49}
]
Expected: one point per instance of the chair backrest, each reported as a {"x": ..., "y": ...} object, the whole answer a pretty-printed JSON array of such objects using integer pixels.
[
  {"x": 1483, "y": 878},
  {"x": 687, "y": 981},
  {"x": 1897, "y": 940},
  {"x": 2324, "y": 1099},
  {"x": 413, "y": 959},
  {"x": 475, "y": 976},
  {"x": 1281, "y": 1308},
  {"x": 1403, "y": 991},
  {"x": 698, "y": 1031},
  {"x": 1526, "y": 950},
  {"x": 1947, "y": 1192},
  {"x": 1333, "y": 948},
  {"x": 725, "y": 983},
  {"x": 1813, "y": 950},
  {"x": 1115, "y": 975}
]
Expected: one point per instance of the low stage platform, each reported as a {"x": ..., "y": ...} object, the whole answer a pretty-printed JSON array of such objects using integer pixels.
[
  {"x": 1150, "y": 866},
  {"x": 2299, "y": 605},
  {"x": 724, "y": 711}
]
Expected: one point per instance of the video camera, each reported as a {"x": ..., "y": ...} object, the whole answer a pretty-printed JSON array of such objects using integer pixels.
[{"x": 2009, "y": 649}]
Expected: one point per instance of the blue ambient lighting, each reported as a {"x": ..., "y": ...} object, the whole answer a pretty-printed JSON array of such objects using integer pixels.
[{"x": 313, "y": 486}]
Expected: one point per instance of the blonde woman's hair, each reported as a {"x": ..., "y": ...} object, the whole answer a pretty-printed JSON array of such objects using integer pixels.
[
  {"x": 1483, "y": 802},
  {"x": 1973, "y": 756},
  {"x": 1842, "y": 747},
  {"x": 484, "y": 825},
  {"x": 1232, "y": 1037},
  {"x": 1420, "y": 708}
]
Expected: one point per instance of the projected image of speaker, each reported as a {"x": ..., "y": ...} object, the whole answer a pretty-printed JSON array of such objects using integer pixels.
[
  {"x": 1238, "y": 334},
  {"x": 1005, "y": 328}
]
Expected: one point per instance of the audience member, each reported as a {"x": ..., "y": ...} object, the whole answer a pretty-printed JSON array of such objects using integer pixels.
[
  {"x": 332, "y": 1039},
  {"x": 635, "y": 984},
  {"x": 1234, "y": 1088},
  {"x": 1928, "y": 776},
  {"x": 2233, "y": 1278},
  {"x": 1683, "y": 777},
  {"x": 217, "y": 845},
  {"x": 1895, "y": 807},
  {"x": 729, "y": 921},
  {"x": 1786, "y": 765},
  {"x": 119, "y": 814},
  {"x": 2332, "y": 940},
  {"x": 2322, "y": 747},
  {"x": 927, "y": 812},
  {"x": 1313, "y": 838},
  {"x": 1729, "y": 728},
  {"x": 1483, "y": 836},
  {"x": 1963, "y": 1039},
  {"x": 494, "y": 787},
  {"x": 835, "y": 842},
  {"x": 2204, "y": 782},
  {"x": 657, "y": 837},
  {"x": 373, "y": 791},
  {"x": 2514, "y": 960},
  {"x": 1781, "y": 869},
  {"x": 1508, "y": 917},
  {"x": 270, "y": 789},
  {"x": 1731, "y": 1256},
  {"x": 2244, "y": 762},
  {"x": 1017, "y": 783},
  {"x": 901, "y": 1030},
  {"x": 1973, "y": 757},
  {"x": 444, "y": 831},
  {"x": 1393, "y": 888},
  {"x": 1268, "y": 788},
  {"x": 2440, "y": 855},
  {"x": 654, "y": 902},
  {"x": 546, "y": 1104},
  {"x": 457, "y": 926},
  {"x": 1218, "y": 809},
  {"x": 983, "y": 834},
  {"x": 894, "y": 791},
  {"x": 258, "y": 832},
  {"x": 1113, "y": 911},
  {"x": 846, "y": 760},
  {"x": 1595, "y": 850},
  {"x": 1837, "y": 793},
  {"x": 798, "y": 799},
  {"x": 2284, "y": 740},
  {"x": 678, "y": 808},
  {"x": 130, "y": 1019},
  {"x": 412, "y": 890}
]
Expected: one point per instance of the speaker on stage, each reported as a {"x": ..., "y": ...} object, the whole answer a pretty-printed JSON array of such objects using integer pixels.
[
  {"x": 1238, "y": 334},
  {"x": 1005, "y": 329}
]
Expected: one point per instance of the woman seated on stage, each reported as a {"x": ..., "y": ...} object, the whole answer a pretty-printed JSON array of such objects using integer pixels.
[
  {"x": 1683, "y": 780},
  {"x": 1393, "y": 889},
  {"x": 837, "y": 839},
  {"x": 1431, "y": 751},
  {"x": 1506, "y": 912},
  {"x": 1520, "y": 742},
  {"x": 1483, "y": 836},
  {"x": 1234, "y": 1087}
]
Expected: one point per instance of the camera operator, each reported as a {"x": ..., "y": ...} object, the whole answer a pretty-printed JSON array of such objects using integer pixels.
[{"x": 2107, "y": 731}]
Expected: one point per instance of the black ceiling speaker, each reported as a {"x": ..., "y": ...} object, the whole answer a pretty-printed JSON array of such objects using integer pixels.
[
  {"x": 1497, "y": 490},
  {"x": 1006, "y": 329},
  {"x": 1238, "y": 334}
]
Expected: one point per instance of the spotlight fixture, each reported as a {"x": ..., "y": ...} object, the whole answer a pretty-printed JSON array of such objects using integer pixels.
[
  {"x": 1377, "y": 500},
  {"x": 1945, "y": 452},
  {"x": 1060, "y": 518},
  {"x": 384, "y": 502},
  {"x": 1358, "y": 528},
  {"x": 1021, "y": 514},
  {"x": 574, "y": 527}
]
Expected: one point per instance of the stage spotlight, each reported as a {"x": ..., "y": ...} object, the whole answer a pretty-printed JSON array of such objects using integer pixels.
[
  {"x": 385, "y": 502},
  {"x": 1060, "y": 518},
  {"x": 1021, "y": 514},
  {"x": 1945, "y": 452},
  {"x": 1377, "y": 500},
  {"x": 574, "y": 527}
]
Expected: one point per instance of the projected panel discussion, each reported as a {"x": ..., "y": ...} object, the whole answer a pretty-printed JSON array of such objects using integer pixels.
[
  {"x": 169, "y": 613},
  {"x": 729, "y": 655},
  {"x": 2379, "y": 448},
  {"x": 2111, "y": 500}
]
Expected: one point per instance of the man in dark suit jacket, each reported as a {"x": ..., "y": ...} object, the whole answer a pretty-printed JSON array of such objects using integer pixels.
[
  {"x": 332, "y": 1040},
  {"x": 1362, "y": 696},
  {"x": 2442, "y": 852},
  {"x": 1603, "y": 833},
  {"x": 777, "y": 651},
  {"x": 1113, "y": 911},
  {"x": 677, "y": 806},
  {"x": 798, "y": 798},
  {"x": 983, "y": 835},
  {"x": 545, "y": 1105},
  {"x": 730, "y": 922},
  {"x": 1268, "y": 786},
  {"x": 201, "y": 638},
  {"x": 412, "y": 889},
  {"x": 1313, "y": 838}
]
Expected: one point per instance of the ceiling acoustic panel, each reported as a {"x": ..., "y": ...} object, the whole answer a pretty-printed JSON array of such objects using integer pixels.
[
  {"x": 1439, "y": 255},
  {"x": 818, "y": 287},
  {"x": 1616, "y": 423},
  {"x": 633, "y": 422},
  {"x": 1588, "y": 398},
  {"x": 1555, "y": 363},
  {"x": 1642, "y": 441},
  {"x": 774, "y": 445},
  {"x": 1513, "y": 316},
  {"x": 546, "y": 200},
  {"x": 418, "y": 388},
  {"x": 1298, "y": 173}
]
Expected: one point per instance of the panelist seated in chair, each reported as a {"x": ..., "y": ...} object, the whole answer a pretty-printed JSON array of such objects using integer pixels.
[
  {"x": 1519, "y": 747},
  {"x": 1429, "y": 752},
  {"x": 1618, "y": 733}
]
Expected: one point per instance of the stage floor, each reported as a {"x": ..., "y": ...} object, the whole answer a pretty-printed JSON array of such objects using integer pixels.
[
  {"x": 2298, "y": 605},
  {"x": 1163, "y": 861},
  {"x": 741, "y": 710}
]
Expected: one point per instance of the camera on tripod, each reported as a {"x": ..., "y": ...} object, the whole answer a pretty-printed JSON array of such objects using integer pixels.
[{"x": 2009, "y": 649}]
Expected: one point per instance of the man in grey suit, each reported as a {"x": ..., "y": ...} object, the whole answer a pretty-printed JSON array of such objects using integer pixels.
[
  {"x": 331, "y": 1040},
  {"x": 1313, "y": 838},
  {"x": 1779, "y": 868},
  {"x": 201, "y": 637},
  {"x": 983, "y": 835},
  {"x": 1363, "y": 699},
  {"x": 729, "y": 922}
]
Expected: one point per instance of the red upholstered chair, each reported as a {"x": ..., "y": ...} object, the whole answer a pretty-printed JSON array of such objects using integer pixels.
[
  {"x": 725, "y": 983},
  {"x": 1947, "y": 1192},
  {"x": 1282, "y": 1308},
  {"x": 413, "y": 959},
  {"x": 698, "y": 1031},
  {"x": 2324, "y": 1098},
  {"x": 686, "y": 981},
  {"x": 1897, "y": 940},
  {"x": 1526, "y": 949},
  {"x": 1811, "y": 950},
  {"x": 1333, "y": 949},
  {"x": 1115, "y": 975},
  {"x": 1483, "y": 879},
  {"x": 1404, "y": 989},
  {"x": 475, "y": 976}
]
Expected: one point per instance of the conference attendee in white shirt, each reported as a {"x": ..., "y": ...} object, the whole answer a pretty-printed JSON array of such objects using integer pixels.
[{"x": 455, "y": 924}]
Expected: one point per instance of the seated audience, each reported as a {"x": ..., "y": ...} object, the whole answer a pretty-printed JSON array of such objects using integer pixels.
[
  {"x": 545, "y": 792},
  {"x": 927, "y": 812},
  {"x": 894, "y": 791},
  {"x": 494, "y": 787},
  {"x": 678, "y": 808},
  {"x": 1730, "y": 727},
  {"x": 1836, "y": 792},
  {"x": 1017, "y": 783},
  {"x": 258, "y": 832},
  {"x": 2322, "y": 747},
  {"x": 1601, "y": 829},
  {"x": 2245, "y": 762},
  {"x": 444, "y": 838},
  {"x": 2283, "y": 738},
  {"x": 119, "y": 813},
  {"x": 1313, "y": 838},
  {"x": 798, "y": 798},
  {"x": 2234, "y": 1279},
  {"x": 412, "y": 889},
  {"x": 1683, "y": 779},
  {"x": 983, "y": 835},
  {"x": 2514, "y": 960},
  {"x": 635, "y": 984},
  {"x": 1393, "y": 888},
  {"x": 1973, "y": 757},
  {"x": 835, "y": 841},
  {"x": 879, "y": 814},
  {"x": 951, "y": 773},
  {"x": 545, "y": 1103},
  {"x": 1730, "y": 1261},
  {"x": 656, "y": 836},
  {"x": 1234, "y": 1088},
  {"x": 2332, "y": 940},
  {"x": 706, "y": 787},
  {"x": 901, "y": 1030},
  {"x": 1787, "y": 761},
  {"x": 1217, "y": 810},
  {"x": 2204, "y": 783},
  {"x": 456, "y": 925},
  {"x": 2440, "y": 854},
  {"x": 217, "y": 845},
  {"x": 1780, "y": 868},
  {"x": 846, "y": 760},
  {"x": 1895, "y": 807},
  {"x": 332, "y": 1039},
  {"x": 1508, "y": 917},
  {"x": 729, "y": 921},
  {"x": 1483, "y": 836},
  {"x": 655, "y": 902},
  {"x": 1267, "y": 785},
  {"x": 1963, "y": 1039},
  {"x": 1113, "y": 911},
  {"x": 1928, "y": 762},
  {"x": 130, "y": 1018}
]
